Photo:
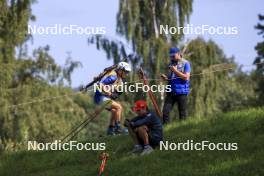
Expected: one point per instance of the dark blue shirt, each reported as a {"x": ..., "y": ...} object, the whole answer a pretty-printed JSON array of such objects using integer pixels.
[{"x": 153, "y": 122}]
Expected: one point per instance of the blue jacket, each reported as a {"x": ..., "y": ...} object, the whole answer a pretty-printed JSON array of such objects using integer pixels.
[
  {"x": 152, "y": 121},
  {"x": 179, "y": 85},
  {"x": 110, "y": 79}
]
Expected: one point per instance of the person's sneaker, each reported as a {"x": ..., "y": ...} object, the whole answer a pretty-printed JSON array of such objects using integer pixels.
[
  {"x": 147, "y": 150},
  {"x": 119, "y": 129},
  {"x": 136, "y": 149},
  {"x": 111, "y": 131},
  {"x": 125, "y": 131}
]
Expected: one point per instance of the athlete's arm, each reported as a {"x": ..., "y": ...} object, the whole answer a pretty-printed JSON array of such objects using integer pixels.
[
  {"x": 105, "y": 85},
  {"x": 184, "y": 76}
]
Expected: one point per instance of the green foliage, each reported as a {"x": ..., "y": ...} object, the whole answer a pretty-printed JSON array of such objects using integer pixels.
[
  {"x": 35, "y": 102},
  {"x": 14, "y": 16},
  {"x": 239, "y": 93},
  {"x": 258, "y": 75},
  {"x": 38, "y": 107},
  {"x": 207, "y": 77},
  {"x": 69, "y": 67},
  {"x": 138, "y": 22},
  {"x": 234, "y": 127},
  {"x": 260, "y": 46}
]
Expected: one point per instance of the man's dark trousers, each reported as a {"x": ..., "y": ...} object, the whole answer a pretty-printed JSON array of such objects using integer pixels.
[{"x": 170, "y": 100}]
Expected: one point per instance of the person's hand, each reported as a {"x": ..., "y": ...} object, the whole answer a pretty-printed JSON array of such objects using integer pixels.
[
  {"x": 109, "y": 94},
  {"x": 82, "y": 89},
  {"x": 173, "y": 68},
  {"x": 127, "y": 123},
  {"x": 114, "y": 95},
  {"x": 163, "y": 76}
]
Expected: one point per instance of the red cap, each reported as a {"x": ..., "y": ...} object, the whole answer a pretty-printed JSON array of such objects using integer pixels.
[{"x": 140, "y": 104}]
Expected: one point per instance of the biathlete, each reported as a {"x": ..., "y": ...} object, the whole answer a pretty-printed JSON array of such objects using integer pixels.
[{"x": 105, "y": 91}]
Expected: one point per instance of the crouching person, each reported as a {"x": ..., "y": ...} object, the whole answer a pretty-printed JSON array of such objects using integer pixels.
[{"x": 145, "y": 129}]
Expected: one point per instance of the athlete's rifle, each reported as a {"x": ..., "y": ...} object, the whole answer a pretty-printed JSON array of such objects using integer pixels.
[{"x": 98, "y": 78}]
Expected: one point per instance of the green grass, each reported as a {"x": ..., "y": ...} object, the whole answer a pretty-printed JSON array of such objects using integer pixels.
[{"x": 245, "y": 128}]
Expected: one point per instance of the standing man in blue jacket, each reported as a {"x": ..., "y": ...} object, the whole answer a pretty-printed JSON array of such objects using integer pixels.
[{"x": 179, "y": 80}]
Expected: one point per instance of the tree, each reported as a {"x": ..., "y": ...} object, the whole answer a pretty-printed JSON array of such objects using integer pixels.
[
  {"x": 258, "y": 75},
  {"x": 260, "y": 46},
  {"x": 14, "y": 16},
  {"x": 35, "y": 104},
  {"x": 208, "y": 76},
  {"x": 138, "y": 22}
]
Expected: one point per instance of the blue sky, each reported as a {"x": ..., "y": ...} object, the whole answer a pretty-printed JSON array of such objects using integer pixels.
[{"x": 240, "y": 13}]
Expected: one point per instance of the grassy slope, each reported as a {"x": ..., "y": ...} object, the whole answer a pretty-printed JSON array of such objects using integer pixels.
[{"x": 246, "y": 128}]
